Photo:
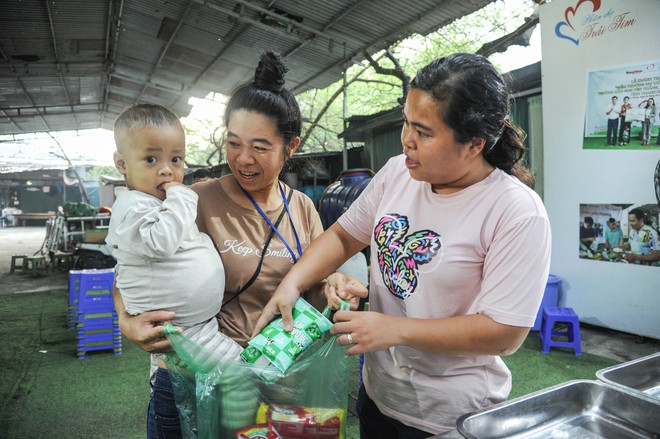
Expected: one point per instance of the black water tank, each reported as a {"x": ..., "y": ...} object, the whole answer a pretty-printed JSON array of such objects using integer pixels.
[{"x": 339, "y": 195}]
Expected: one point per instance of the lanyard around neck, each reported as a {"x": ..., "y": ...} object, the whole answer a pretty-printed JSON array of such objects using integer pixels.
[{"x": 273, "y": 227}]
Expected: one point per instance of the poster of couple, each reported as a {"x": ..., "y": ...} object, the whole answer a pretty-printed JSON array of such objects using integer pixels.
[{"x": 622, "y": 111}]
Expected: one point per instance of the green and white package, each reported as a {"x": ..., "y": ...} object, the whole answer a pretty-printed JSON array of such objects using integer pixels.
[{"x": 280, "y": 348}]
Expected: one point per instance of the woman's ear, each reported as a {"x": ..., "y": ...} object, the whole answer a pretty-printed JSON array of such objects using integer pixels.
[
  {"x": 476, "y": 145},
  {"x": 293, "y": 147},
  {"x": 120, "y": 163}
]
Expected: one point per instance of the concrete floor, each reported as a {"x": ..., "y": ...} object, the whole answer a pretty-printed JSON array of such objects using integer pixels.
[{"x": 28, "y": 240}]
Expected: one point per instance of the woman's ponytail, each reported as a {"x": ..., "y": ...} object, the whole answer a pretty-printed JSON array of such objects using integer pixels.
[{"x": 508, "y": 153}]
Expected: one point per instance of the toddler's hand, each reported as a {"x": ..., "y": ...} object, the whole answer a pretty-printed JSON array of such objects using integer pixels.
[{"x": 170, "y": 184}]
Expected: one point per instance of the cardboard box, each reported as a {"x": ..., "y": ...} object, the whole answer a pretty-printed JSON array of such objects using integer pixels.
[{"x": 95, "y": 235}]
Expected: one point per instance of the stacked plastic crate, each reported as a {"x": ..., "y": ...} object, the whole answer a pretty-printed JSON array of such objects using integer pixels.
[
  {"x": 74, "y": 289},
  {"x": 92, "y": 312}
]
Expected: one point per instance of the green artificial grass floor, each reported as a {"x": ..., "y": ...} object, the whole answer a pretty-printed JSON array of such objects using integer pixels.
[
  {"x": 532, "y": 370},
  {"x": 46, "y": 391}
]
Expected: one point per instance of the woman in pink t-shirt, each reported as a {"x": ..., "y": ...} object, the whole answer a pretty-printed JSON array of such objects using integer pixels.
[{"x": 460, "y": 249}]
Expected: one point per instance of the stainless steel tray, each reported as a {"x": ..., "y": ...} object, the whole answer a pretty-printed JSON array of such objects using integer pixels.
[
  {"x": 575, "y": 409},
  {"x": 641, "y": 375}
]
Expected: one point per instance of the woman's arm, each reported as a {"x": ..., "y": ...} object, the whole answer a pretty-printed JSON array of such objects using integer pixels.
[
  {"x": 461, "y": 336},
  {"x": 145, "y": 330},
  {"x": 323, "y": 256},
  {"x": 514, "y": 274}
]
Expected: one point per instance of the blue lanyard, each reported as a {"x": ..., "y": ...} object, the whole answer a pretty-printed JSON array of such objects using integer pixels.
[{"x": 272, "y": 226}]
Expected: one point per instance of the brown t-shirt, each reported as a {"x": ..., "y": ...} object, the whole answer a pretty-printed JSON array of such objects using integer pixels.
[{"x": 239, "y": 234}]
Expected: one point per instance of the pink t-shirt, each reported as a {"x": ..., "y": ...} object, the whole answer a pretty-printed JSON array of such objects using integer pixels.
[{"x": 484, "y": 249}]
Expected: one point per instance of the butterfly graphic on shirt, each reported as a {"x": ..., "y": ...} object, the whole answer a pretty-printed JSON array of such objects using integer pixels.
[{"x": 400, "y": 254}]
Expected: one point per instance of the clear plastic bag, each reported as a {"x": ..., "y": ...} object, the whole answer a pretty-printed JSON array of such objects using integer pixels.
[{"x": 220, "y": 399}]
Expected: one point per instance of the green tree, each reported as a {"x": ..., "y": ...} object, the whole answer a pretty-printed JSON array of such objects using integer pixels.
[
  {"x": 204, "y": 130},
  {"x": 380, "y": 88},
  {"x": 93, "y": 172}
]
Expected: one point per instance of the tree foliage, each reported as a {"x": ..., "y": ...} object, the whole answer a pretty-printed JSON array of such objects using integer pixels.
[
  {"x": 97, "y": 171},
  {"x": 204, "y": 130}
]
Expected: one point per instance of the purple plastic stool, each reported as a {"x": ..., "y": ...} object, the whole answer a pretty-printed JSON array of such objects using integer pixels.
[{"x": 553, "y": 315}]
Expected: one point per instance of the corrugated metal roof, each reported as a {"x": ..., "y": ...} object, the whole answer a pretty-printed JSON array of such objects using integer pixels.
[{"x": 75, "y": 64}]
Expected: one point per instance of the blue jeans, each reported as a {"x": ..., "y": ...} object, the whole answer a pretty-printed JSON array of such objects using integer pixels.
[
  {"x": 163, "y": 418},
  {"x": 375, "y": 425}
]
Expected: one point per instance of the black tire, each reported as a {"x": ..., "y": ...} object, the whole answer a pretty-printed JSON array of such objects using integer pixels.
[
  {"x": 88, "y": 260},
  {"x": 110, "y": 262}
]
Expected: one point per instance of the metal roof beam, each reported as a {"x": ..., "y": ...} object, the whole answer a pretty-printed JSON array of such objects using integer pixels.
[
  {"x": 106, "y": 54},
  {"x": 243, "y": 28},
  {"x": 119, "y": 91},
  {"x": 332, "y": 22},
  {"x": 241, "y": 17},
  {"x": 11, "y": 121},
  {"x": 164, "y": 49},
  {"x": 31, "y": 101},
  {"x": 388, "y": 39},
  {"x": 47, "y": 110},
  {"x": 52, "y": 32},
  {"x": 138, "y": 77},
  {"x": 55, "y": 65},
  {"x": 222, "y": 51},
  {"x": 57, "y": 61},
  {"x": 252, "y": 21},
  {"x": 295, "y": 24},
  {"x": 110, "y": 60}
]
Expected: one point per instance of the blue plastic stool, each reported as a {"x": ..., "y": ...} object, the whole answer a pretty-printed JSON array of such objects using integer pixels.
[
  {"x": 553, "y": 315},
  {"x": 550, "y": 298}
]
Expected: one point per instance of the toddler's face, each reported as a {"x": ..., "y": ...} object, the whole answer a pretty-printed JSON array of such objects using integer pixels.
[{"x": 152, "y": 156}]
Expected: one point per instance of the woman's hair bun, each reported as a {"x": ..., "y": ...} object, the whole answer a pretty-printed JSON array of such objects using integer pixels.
[{"x": 270, "y": 72}]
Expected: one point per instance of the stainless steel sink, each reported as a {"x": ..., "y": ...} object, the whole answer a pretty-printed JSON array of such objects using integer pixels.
[
  {"x": 642, "y": 375},
  {"x": 575, "y": 409}
]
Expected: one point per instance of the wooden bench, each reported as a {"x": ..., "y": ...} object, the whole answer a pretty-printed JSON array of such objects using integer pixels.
[{"x": 39, "y": 218}]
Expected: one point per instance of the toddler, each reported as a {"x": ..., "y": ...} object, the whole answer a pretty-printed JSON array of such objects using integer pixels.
[{"x": 163, "y": 261}]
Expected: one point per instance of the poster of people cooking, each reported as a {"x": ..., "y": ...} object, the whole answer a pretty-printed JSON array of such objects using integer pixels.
[
  {"x": 622, "y": 108},
  {"x": 622, "y": 233}
]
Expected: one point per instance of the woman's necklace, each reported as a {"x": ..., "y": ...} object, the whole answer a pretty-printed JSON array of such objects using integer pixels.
[{"x": 272, "y": 226}]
